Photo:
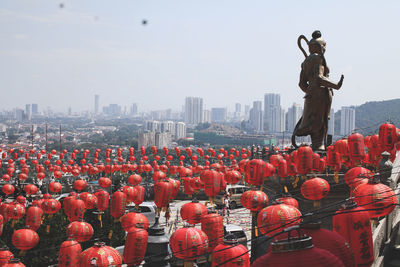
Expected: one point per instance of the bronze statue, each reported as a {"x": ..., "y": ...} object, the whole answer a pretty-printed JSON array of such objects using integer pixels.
[{"x": 318, "y": 87}]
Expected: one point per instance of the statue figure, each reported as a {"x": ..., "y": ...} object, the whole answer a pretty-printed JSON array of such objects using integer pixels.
[{"x": 315, "y": 83}]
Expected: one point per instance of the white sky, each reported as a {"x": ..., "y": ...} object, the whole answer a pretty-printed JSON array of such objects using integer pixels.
[{"x": 224, "y": 51}]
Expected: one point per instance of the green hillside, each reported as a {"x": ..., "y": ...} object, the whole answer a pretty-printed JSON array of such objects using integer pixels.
[{"x": 371, "y": 115}]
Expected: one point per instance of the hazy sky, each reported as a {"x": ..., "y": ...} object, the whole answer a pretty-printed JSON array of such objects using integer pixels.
[{"x": 224, "y": 51}]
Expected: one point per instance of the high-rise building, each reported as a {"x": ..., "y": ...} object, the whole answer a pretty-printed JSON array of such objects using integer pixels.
[
  {"x": 246, "y": 112},
  {"x": 238, "y": 111},
  {"x": 28, "y": 111},
  {"x": 207, "y": 116},
  {"x": 331, "y": 124},
  {"x": 162, "y": 140},
  {"x": 167, "y": 127},
  {"x": 35, "y": 109},
  {"x": 256, "y": 117},
  {"x": 146, "y": 139},
  {"x": 218, "y": 115},
  {"x": 270, "y": 101},
  {"x": 180, "y": 130},
  {"x": 134, "y": 109},
  {"x": 112, "y": 110},
  {"x": 347, "y": 120},
  {"x": 96, "y": 104},
  {"x": 293, "y": 115},
  {"x": 193, "y": 110},
  {"x": 19, "y": 114},
  {"x": 152, "y": 126},
  {"x": 277, "y": 122}
]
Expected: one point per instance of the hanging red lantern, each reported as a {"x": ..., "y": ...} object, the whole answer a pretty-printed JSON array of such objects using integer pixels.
[
  {"x": 230, "y": 253},
  {"x": 288, "y": 201},
  {"x": 75, "y": 210},
  {"x": 8, "y": 189},
  {"x": 103, "y": 199},
  {"x": 51, "y": 206},
  {"x": 130, "y": 193},
  {"x": 14, "y": 262},
  {"x": 315, "y": 189},
  {"x": 135, "y": 246},
  {"x": 80, "y": 231},
  {"x": 213, "y": 225},
  {"x": 118, "y": 204},
  {"x": 255, "y": 172},
  {"x": 377, "y": 198},
  {"x": 134, "y": 179},
  {"x": 353, "y": 223},
  {"x": 387, "y": 136},
  {"x": 356, "y": 148},
  {"x": 55, "y": 187},
  {"x": 133, "y": 219},
  {"x": 188, "y": 243},
  {"x": 34, "y": 217},
  {"x": 69, "y": 253},
  {"x": 79, "y": 185},
  {"x": 162, "y": 193},
  {"x": 15, "y": 211},
  {"x": 139, "y": 197},
  {"x": 254, "y": 200},
  {"x": 89, "y": 199},
  {"x": 212, "y": 183},
  {"x": 187, "y": 187},
  {"x": 100, "y": 255},
  {"x": 25, "y": 239},
  {"x": 21, "y": 200},
  {"x": 5, "y": 255},
  {"x": 304, "y": 161},
  {"x": 193, "y": 211},
  {"x": 299, "y": 252},
  {"x": 233, "y": 177},
  {"x": 275, "y": 218},
  {"x": 158, "y": 175},
  {"x": 104, "y": 182},
  {"x": 356, "y": 176}
]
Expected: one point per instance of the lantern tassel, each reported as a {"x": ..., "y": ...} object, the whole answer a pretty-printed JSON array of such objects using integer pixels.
[
  {"x": 12, "y": 223},
  {"x": 295, "y": 182},
  {"x": 48, "y": 228},
  {"x": 110, "y": 234},
  {"x": 101, "y": 222},
  {"x": 22, "y": 253},
  {"x": 317, "y": 203},
  {"x": 336, "y": 177},
  {"x": 188, "y": 264},
  {"x": 285, "y": 189}
]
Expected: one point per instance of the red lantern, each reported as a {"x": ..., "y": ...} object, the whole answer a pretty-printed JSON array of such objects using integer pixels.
[
  {"x": 288, "y": 201},
  {"x": 275, "y": 218},
  {"x": 135, "y": 246},
  {"x": 139, "y": 197},
  {"x": 69, "y": 254},
  {"x": 232, "y": 177},
  {"x": 25, "y": 239},
  {"x": 118, "y": 204},
  {"x": 34, "y": 217},
  {"x": 158, "y": 175},
  {"x": 213, "y": 225},
  {"x": 255, "y": 172},
  {"x": 188, "y": 243},
  {"x": 75, "y": 210},
  {"x": 103, "y": 199},
  {"x": 315, "y": 189},
  {"x": 134, "y": 179},
  {"x": 304, "y": 161},
  {"x": 5, "y": 255},
  {"x": 356, "y": 148},
  {"x": 254, "y": 200},
  {"x": 387, "y": 136},
  {"x": 55, "y": 187},
  {"x": 8, "y": 189},
  {"x": 162, "y": 193},
  {"x": 79, "y": 185},
  {"x": 80, "y": 231},
  {"x": 193, "y": 211},
  {"x": 51, "y": 206},
  {"x": 230, "y": 253},
  {"x": 15, "y": 211},
  {"x": 133, "y": 219},
  {"x": 353, "y": 223},
  {"x": 100, "y": 255},
  {"x": 188, "y": 189},
  {"x": 378, "y": 199},
  {"x": 89, "y": 199},
  {"x": 356, "y": 176},
  {"x": 176, "y": 184},
  {"x": 14, "y": 263},
  {"x": 298, "y": 252},
  {"x": 104, "y": 182}
]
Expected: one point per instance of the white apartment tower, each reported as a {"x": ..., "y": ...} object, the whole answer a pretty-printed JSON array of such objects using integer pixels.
[
  {"x": 256, "y": 117},
  {"x": 193, "y": 110},
  {"x": 271, "y": 101},
  {"x": 96, "y": 104},
  {"x": 294, "y": 115},
  {"x": 180, "y": 130},
  {"x": 347, "y": 120}
]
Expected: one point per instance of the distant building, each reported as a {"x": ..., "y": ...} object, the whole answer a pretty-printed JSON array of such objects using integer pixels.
[
  {"x": 112, "y": 110},
  {"x": 167, "y": 127},
  {"x": 19, "y": 114},
  {"x": 277, "y": 116},
  {"x": 69, "y": 111},
  {"x": 347, "y": 120},
  {"x": 218, "y": 115},
  {"x": 256, "y": 117},
  {"x": 134, "y": 109},
  {"x": 271, "y": 101},
  {"x": 152, "y": 126},
  {"x": 293, "y": 115},
  {"x": 193, "y": 110},
  {"x": 238, "y": 112},
  {"x": 180, "y": 130},
  {"x": 146, "y": 139},
  {"x": 246, "y": 112},
  {"x": 35, "y": 109},
  {"x": 331, "y": 124},
  {"x": 162, "y": 140},
  {"x": 206, "y": 116},
  {"x": 28, "y": 113},
  {"x": 96, "y": 104}
]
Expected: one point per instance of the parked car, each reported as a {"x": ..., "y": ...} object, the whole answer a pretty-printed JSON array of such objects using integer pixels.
[
  {"x": 147, "y": 208},
  {"x": 234, "y": 192},
  {"x": 237, "y": 231}
]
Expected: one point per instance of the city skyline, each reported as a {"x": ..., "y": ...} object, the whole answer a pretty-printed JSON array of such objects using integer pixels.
[{"x": 61, "y": 57}]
